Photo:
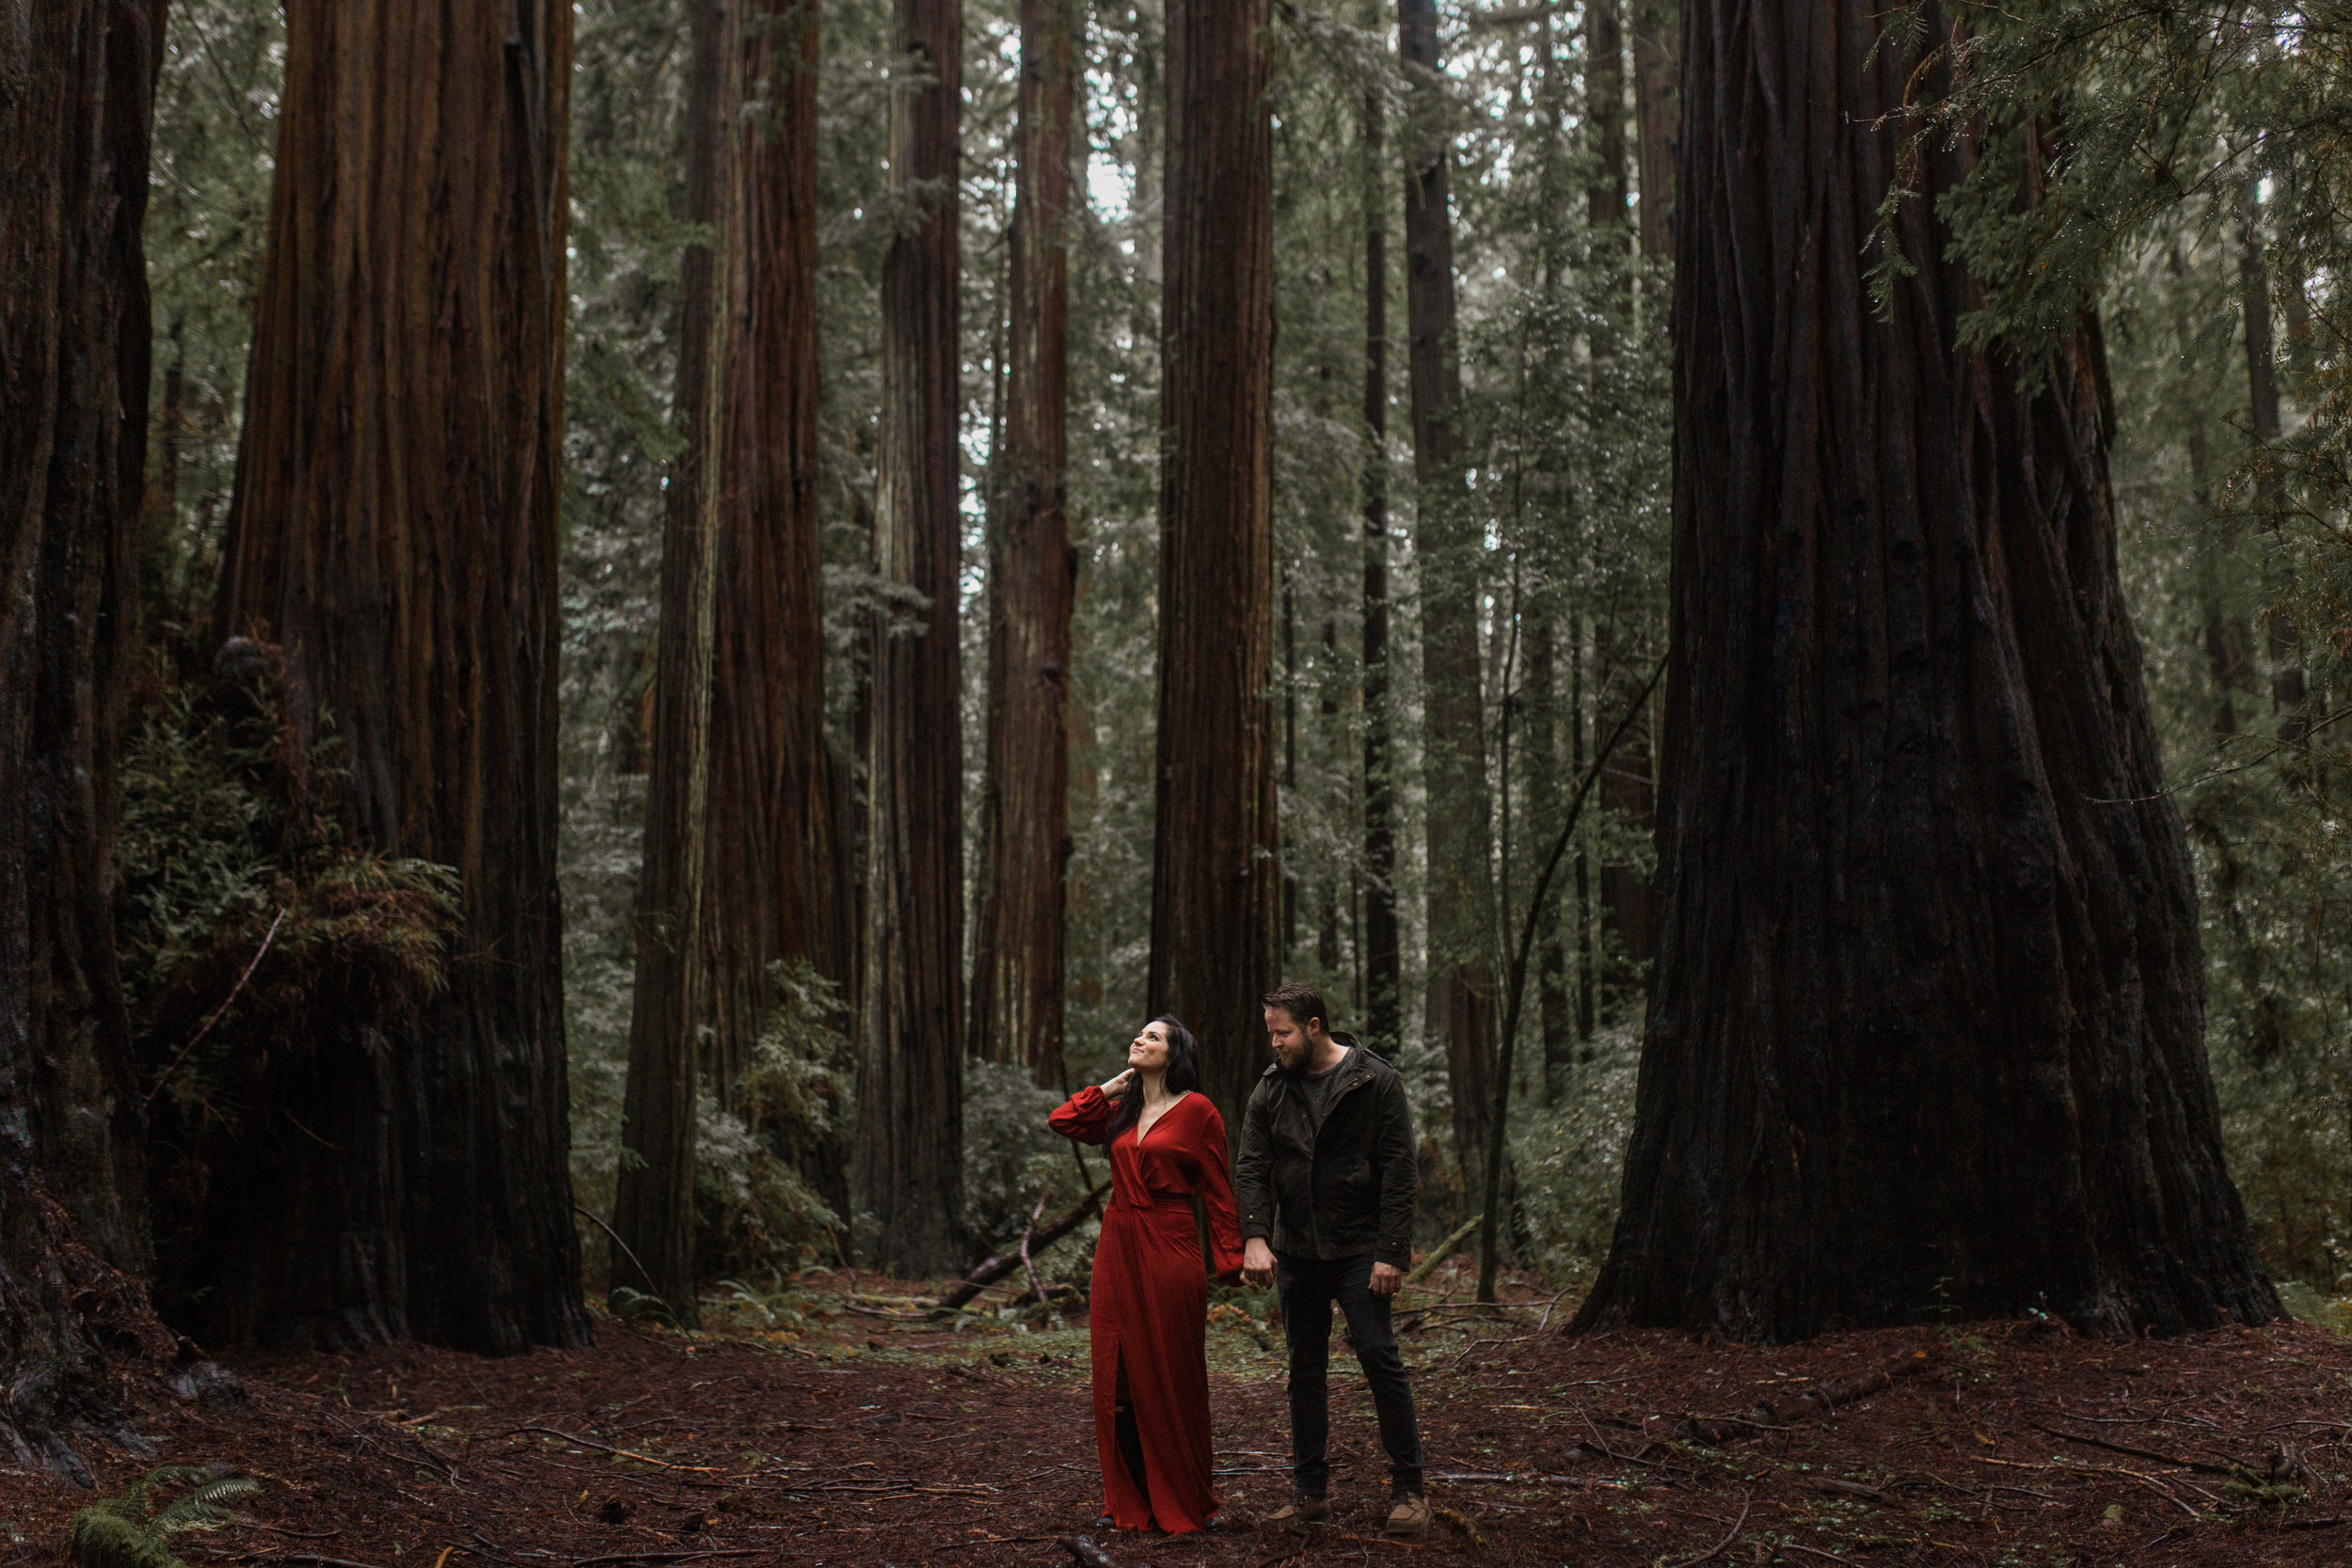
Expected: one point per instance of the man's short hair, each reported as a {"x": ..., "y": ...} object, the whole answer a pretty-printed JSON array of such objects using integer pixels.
[{"x": 1303, "y": 1003}]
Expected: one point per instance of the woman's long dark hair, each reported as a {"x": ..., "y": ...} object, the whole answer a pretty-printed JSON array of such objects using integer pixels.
[{"x": 1183, "y": 1073}]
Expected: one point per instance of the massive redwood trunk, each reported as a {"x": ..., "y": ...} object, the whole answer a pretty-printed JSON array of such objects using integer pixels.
[
  {"x": 76, "y": 103},
  {"x": 910, "y": 1072},
  {"x": 1017, "y": 978},
  {"x": 1215, "y": 880},
  {"x": 1927, "y": 1031},
  {"x": 653, "y": 1205},
  {"x": 1447, "y": 550},
  {"x": 394, "y": 529},
  {"x": 782, "y": 870}
]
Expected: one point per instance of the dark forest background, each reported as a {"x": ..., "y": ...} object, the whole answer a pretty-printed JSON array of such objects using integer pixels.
[{"x": 898, "y": 716}]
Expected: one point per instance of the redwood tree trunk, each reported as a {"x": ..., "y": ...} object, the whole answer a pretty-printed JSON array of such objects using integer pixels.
[
  {"x": 1657, "y": 114},
  {"x": 653, "y": 1205},
  {"x": 1461, "y": 986},
  {"x": 781, "y": 874},
  {"x": 77, "y": 105},
  {"x": 394, "y": 529},
  {"x": 1383, "y": 958},
  {"x": 911, "y": 1074},
  {"x": 1214, "y": 877},
  {"x": 1928, "y": 1025},
  {"x": 1017, "y": 993}
]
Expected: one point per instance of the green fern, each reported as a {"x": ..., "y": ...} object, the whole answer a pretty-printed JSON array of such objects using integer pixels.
[{"x": 120, "y": 1532}]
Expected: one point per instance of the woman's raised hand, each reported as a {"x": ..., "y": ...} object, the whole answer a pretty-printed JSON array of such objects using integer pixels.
[{"x": 1118, "y": 1083}]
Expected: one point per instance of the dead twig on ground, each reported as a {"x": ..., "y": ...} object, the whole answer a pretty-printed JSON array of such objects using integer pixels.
[
  {"x": 1736, "y": 1526},
  {"x": 607, "y": 1447},
  {"x": 1719, "y": 1430},
  {"x": 698, "y": 1554},
  {"x": 2199, "y": 1466}
]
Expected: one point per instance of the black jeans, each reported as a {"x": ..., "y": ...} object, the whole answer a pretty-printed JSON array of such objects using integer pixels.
[{"x": 1308, "y": 1286}]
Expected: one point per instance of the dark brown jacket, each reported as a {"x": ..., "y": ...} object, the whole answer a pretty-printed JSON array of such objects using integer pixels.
[{"x": 1341, "y": 1187}]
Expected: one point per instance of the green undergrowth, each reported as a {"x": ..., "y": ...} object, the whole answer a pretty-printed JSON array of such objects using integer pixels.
[
  {"x": 134, "y": 1530},
  {"x": 2305, "y": 1305}
]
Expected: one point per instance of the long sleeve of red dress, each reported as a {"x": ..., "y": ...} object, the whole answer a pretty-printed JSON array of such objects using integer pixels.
[{"x": 1149, "y": 1312}]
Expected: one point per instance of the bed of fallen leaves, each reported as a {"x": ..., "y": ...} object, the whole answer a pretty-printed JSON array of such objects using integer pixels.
[{"x": 836, "y": 1423}]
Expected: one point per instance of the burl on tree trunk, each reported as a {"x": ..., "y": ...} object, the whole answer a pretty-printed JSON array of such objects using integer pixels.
[
  {"x": 77, "y": 105},
  {"x": 1928, "y": 1021},
  {"x": 394, "y": 530}
]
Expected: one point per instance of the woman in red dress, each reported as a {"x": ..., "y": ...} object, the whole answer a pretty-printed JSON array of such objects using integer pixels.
[{"x": 1149, "y": 1313}]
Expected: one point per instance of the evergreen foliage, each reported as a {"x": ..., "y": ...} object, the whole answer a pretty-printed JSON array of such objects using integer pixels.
[{"x": 133, "y": 1530}]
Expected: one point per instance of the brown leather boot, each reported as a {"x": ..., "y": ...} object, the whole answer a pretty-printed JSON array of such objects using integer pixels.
[
  {"x": 1305, "y": 1509},
  {"x": 1409, "y": 1518}
]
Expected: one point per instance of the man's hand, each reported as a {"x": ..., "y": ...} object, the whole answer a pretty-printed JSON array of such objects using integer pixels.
[
  {"x": 1387, "y": 1279},
  {"x": 1257, "y": 1262},
  {"x": 1118, "y": 1083}
]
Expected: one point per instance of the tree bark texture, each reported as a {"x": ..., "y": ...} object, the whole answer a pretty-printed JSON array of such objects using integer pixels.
[
  {"x": 1383, "y": 954},
  {"x": 1214, "y": 877},
  {"x": 1657, "y": 116},
  {"x": 77, "y": 107},
  {"x": 1604, "y": 108},
  {"x": 1460, "y": 997},
  {"x": 394, "y": 529},
  {"x": 653, "y": 1205},
  {"x": 909, "y": 1077},
  {"x": 1927, "y": 1029},
  {"x": 1017, "y": 991},
  {"x": 782, "y": 878}
]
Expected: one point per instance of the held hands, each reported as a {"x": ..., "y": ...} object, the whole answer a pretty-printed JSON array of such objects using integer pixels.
[
  {"x": 1119, "y": 1082},
  {"x": 1387, "y": 1279},
  {"x": 1257, "y": 1262}
]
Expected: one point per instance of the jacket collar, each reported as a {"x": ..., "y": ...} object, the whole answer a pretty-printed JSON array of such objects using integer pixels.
[{"x": 1353, "y": 1069}]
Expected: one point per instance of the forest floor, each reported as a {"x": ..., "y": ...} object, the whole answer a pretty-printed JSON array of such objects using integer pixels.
[{"x": 862, "y": 1434}]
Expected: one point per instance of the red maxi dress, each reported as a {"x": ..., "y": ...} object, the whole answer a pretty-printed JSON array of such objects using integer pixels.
[{"x": 1149, "y": 1313}]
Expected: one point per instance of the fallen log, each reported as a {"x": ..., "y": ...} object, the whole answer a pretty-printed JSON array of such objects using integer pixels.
[
  {"x": 988, "y": 1270},
  {"x": 1817, "y": 1400}
]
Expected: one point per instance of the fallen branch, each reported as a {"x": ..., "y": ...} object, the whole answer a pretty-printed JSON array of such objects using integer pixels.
[
  {"x": 607, "y": 1447},
  {"x": 1443, "y": 1251},
  {"x": 697, "y": 1556},
  {"x": 988, "y": 1270},
  {"x": 2197, "y": 1465},
  {"x": 1083, "y": 1549},
  {"x": 173, "y": 1066},
  {"x": 1719, "y": 1430},
  {"x": 1736, "y": 1526}
]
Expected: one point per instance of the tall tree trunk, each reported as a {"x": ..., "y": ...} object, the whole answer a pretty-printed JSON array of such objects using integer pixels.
[
  {"x": 1629, "y": 902},
  {"x": 77, "y": 105},
  {"x": 1214, "y": 876},
  {"x": 1927, "y": 1027},
  {"x": 780, "y": 877},
  {"x": 1460, "y": 998},
  {"x": 1017, "y": 1000},
  {"x": 1657, "y": 114},
  {"x": 910, "y": 1071},
  {"x": 2289, "y": 685},
  {"x": 653, "y": 1208},
  {"x": 1543, "y": 771},
  {"x": 394, "y": 529},
  {"x": 1383, "y": 959},
  {"x": 1604, "y": 109}
]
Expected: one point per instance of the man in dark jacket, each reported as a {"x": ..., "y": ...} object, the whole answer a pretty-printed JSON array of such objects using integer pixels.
[{"x": 1326, "y": 1177}]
